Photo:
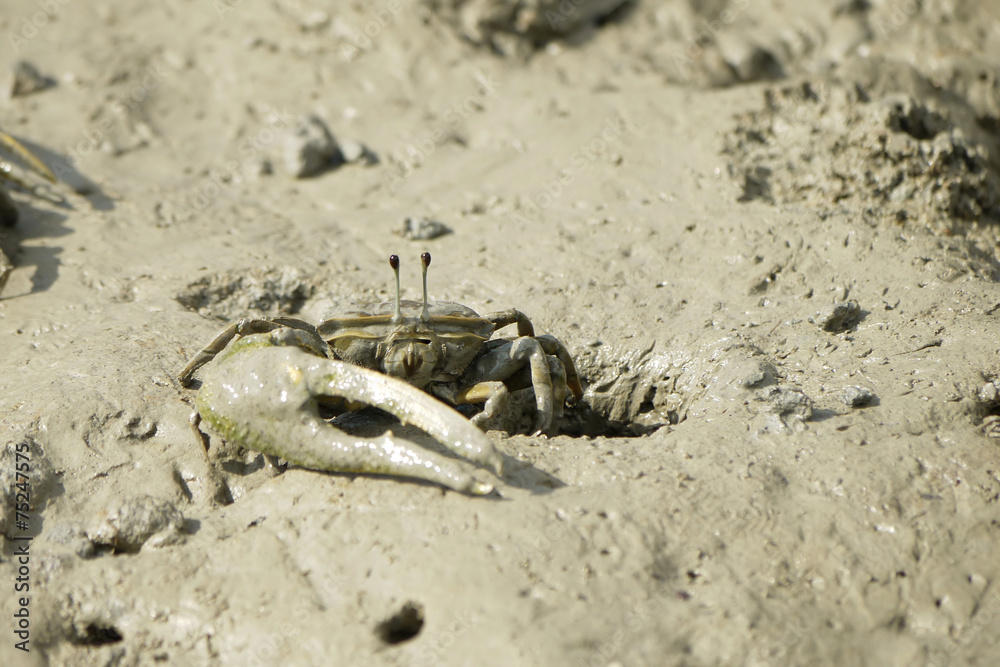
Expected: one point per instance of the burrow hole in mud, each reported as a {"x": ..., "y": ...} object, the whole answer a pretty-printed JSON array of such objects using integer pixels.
[
  {"x": 584, "y": 421},
  {"x": 98, "y": 634},
  {"x": 403, "y": 625}
]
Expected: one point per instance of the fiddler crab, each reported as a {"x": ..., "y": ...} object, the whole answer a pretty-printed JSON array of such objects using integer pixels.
[
  {"x": 265, "y": 379},
  {"x": 11, "y": 174}
]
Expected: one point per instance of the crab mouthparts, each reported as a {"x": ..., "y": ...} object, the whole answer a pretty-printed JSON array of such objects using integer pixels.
[{"x": 412, "y": 360}]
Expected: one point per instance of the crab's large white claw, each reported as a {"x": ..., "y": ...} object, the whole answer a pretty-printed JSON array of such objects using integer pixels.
[{"x": 264, "y": 397}]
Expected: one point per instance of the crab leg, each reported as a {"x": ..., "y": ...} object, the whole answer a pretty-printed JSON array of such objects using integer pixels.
[
  {"x": 37, "y": 165},
  {"x": 493, "y": 394},
  {"x": 263, "y": 394},
  {"x": 557, "y": 373},
  {"x": 242, "y": 327},
  {"x": 505, "y": 362},
  {"x": 553, "y": 346},
  {"x": 34, "y": 165},
  {"x": 505, "y": 317}
]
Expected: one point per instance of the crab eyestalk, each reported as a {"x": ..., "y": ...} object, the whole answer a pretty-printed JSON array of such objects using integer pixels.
[
  {"x": 425, "y": 260},
  {"x": 397, "y": 316}
]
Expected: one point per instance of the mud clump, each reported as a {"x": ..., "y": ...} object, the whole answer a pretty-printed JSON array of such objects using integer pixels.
[
  {"x": 515, "y": 28},
  {"x": 71, "y": 536},
  {"x": 838, "y": 317},
  {"x": 138, "y": 522},
  {"x": 27, "y": 480},
  {"x": 629, "y": 393},
  {"x": 234, "y": 294},
  {"x": 988, "y": 409},
  {"x": 856, "y": 397},
  {"x": 788, "y": 408},
  {"x": 890, "y": 155},
  {"x": 309, "y": 148}
]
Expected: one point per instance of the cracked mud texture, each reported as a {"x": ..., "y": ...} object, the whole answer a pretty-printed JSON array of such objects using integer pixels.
[{"x": 792, "y": 491}]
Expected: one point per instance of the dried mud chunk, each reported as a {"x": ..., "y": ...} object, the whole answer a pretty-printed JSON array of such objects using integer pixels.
[
  {"x": 138, "y": 522},
  {"x": 886, "y": 144},
  {"x": 789, "y": 406},
  {"x": 35, "y": 479},
  {"x": 989, "y": 408},
  {"x": 856, "y": 397},
  {"x": 621, "y": 399},
  {"x": 234, "y": 294},
  {"x": 309, "y": 148},
  {"x": 423, "y": 229},
  {"x": 73, "y": 536},
  {"x": 532, "y": 22},
  {"x": 754, "y": 373},
  {"x": 841, "y": 316}
]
